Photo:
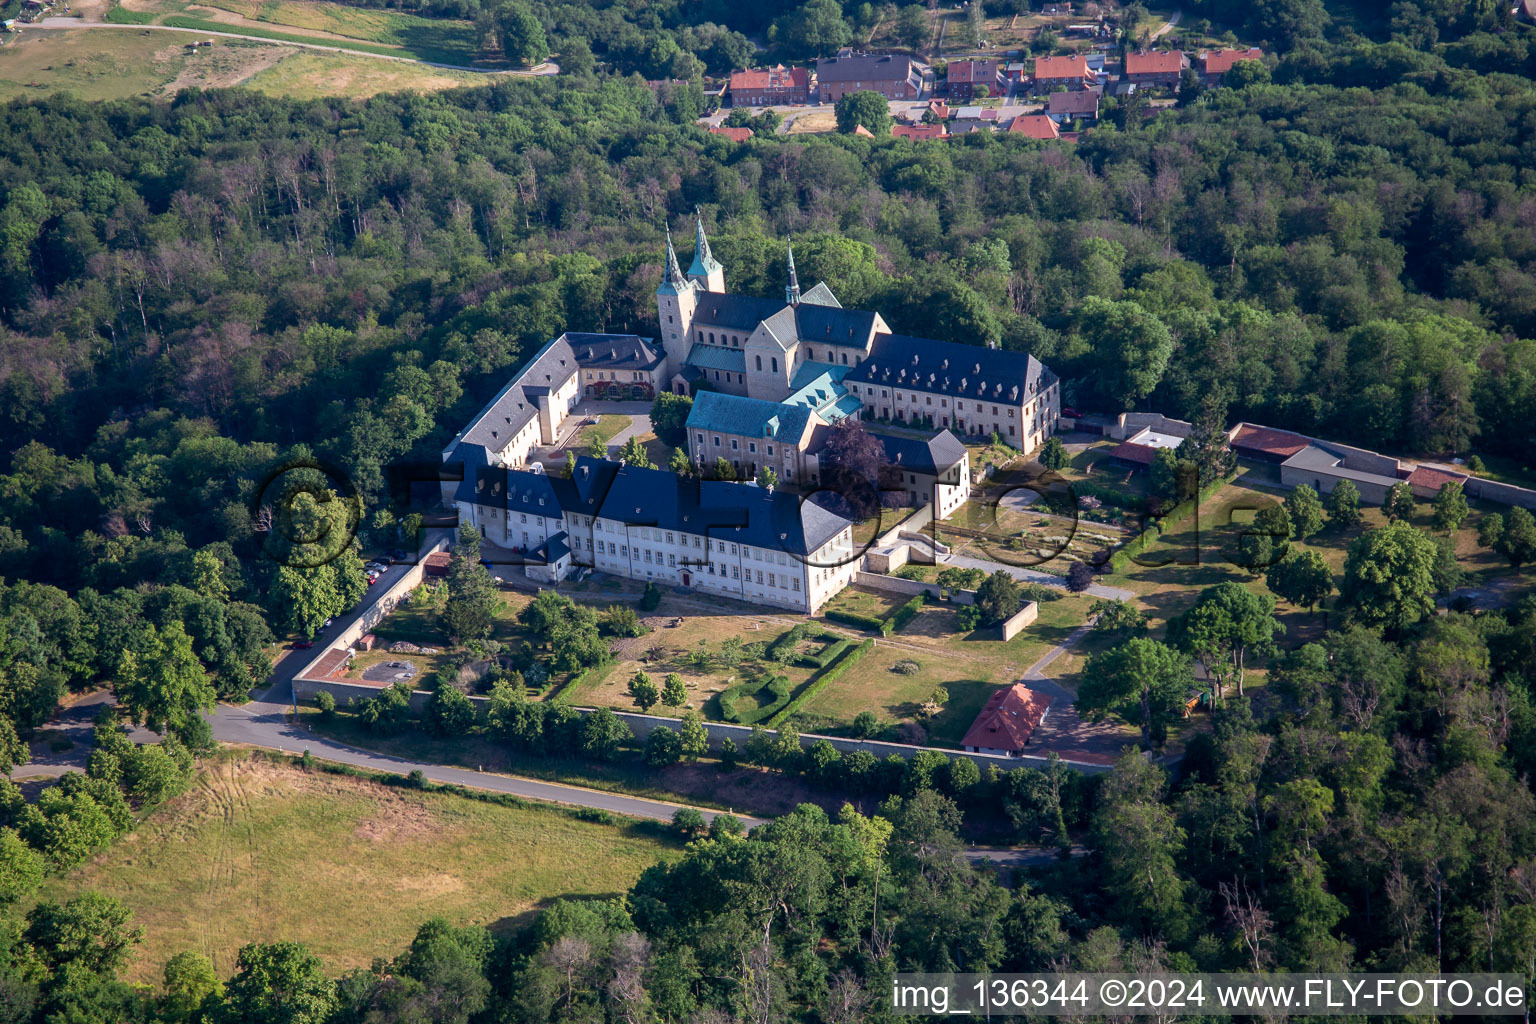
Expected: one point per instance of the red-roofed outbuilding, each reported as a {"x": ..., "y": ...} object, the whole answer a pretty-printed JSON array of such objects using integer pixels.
[
  {"x": 1006, "y": 721},
  {"x": 1034, "y": 126}
]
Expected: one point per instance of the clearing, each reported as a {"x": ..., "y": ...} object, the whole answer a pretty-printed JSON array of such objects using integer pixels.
[
  {"x": 108, "y": 64},
  {"x": 256, "y": 849}
]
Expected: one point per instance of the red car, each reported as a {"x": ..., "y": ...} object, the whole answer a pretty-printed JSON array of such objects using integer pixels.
[{"x": 303, "y": 645}]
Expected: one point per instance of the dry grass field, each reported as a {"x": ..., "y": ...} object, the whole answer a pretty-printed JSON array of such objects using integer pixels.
[{"x": 259, "y": 851}]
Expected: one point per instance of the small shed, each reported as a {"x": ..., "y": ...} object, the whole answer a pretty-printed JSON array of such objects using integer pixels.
[
  {"x": 366, "y": 642},
  {"x": 436, "y": 564}
]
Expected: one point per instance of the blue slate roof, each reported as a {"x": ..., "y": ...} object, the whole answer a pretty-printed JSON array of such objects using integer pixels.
[
  {"x": 932, "y": 457},
  {"x": 950, "y": 368},
  {"x": 714, "y": 357},
  {"x": 742, "y": 513},
  {"x": 747, "y": 417}
]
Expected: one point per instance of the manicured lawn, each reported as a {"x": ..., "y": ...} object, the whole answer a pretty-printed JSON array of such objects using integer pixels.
[
  {"x": 259, "y": 851},
  {"x": 606, "y": 426}
]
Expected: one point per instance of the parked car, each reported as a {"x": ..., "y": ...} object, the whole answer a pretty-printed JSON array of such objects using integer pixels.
[{"x": 303, "y": 645}]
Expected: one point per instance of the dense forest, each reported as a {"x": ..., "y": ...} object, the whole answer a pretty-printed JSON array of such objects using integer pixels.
[{"x": 198, "y": 291}]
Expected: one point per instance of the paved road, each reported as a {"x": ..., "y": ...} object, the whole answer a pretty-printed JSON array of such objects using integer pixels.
[
  {"x": 1173, "y": 21},
  {"x": 1035, "y": 576},
  {"x": 547, "y": 68}
]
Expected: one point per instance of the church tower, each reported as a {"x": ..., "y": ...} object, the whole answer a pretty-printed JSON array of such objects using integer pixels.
[
  {"x": 676, "y": 299},
  {"x": 705, "y": 270},
  {"x": 792, "y": 291}
]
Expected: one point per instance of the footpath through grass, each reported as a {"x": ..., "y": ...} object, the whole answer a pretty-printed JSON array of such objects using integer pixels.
[
  {"x": 256, "y": 31},
  {"x": 260, "y": 850}
]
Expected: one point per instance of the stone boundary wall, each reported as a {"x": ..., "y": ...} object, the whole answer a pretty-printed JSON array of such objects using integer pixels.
[
  {"x": 1504, "y": 494},
  {"x": 1015, "y": 623},
  {"x": 910, "y": 588},
  {"x": 1129, "y": 423},
  {"x": 641, "y": 726},
  {"x": 374, "y": 612}
]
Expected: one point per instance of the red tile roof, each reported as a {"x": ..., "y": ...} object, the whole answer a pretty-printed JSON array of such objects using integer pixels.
[
  {"x": 1141, "y": 453},
  {"x": 1035, "y": 126},
  {"x": 736, "y": 133},
  {"x": 940, "y": 109},
  {"x": 859, "y": 129},
  {"x": 778, "y": 77},
  {"x": 1061, "y": 67},
  {"x": 917, "y": 132},
  {"x": 1434, "y": 479},
  {"x": 1267, "y": 439},
  {"x": 1219, "y": 62},
  {"x": 1158, "y": 62},
  {"x": 982, "y": 72},
  {"x": 1008, "y": 718}
]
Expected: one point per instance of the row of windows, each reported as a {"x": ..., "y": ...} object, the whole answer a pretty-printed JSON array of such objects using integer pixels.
[{"x": 736, "y": 446}]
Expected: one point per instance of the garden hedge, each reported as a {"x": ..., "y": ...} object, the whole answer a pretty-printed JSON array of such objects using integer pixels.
[
  {"x": 778, "y": 687},
  {"x": 819, "y": 682}
]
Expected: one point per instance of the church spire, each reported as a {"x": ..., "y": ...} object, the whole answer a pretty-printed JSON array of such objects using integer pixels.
[
  {"x": 792, "y": 293},
  {"x": 704, "y": 262},
  {"x": 672, "y": 280}
]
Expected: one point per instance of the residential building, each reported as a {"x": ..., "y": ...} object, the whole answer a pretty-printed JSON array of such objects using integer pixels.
[
  {"x": 736, "y": 133},
  {"x": 1065, "y": 107},
  {"x": 1053, "y": 72},
  {"x": 1155, "y": 69},
  {"x": 1140, "y": 449},
  {"x": 966, "y": 76},
  {"x": 1006, "y": 721},
  {"x": 936, "y": 471},
  {"x": 733, "y": 540},
  {"x": 532, "y": 409},
  {"x": 970, "y": 389},
  {"x": 1212, "y": 65},
  {"x": 1034, "y": 126},
  {"x": 919, "y": 132},
  {"x": 761, "y": 87},
  {"x": 893, "y": 76}
]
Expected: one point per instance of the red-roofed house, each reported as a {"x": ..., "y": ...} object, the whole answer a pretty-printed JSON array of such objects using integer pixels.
[
  {"x": 1155, "y": 68},
  {"x": 1138, "y": 455},
  {"x": 1034, "y": 126},
  {"x": 1005, "y": 723},
  {"x": 964, "y": 76},
  {"x": 766, "y": 86},
  {"x": 1071, "y": 72},
  {"x": 1426, "y": 481},
  {"x": 1213, "y": 64},
  {"x": 1265, "y": 444},
  {"x": 919, "y": 132},
  {"x": 736, "y": 133},
  {"x": 940, "y": 109}
]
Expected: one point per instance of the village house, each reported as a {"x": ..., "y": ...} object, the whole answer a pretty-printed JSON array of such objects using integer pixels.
[
  {"x": 919, "y": 132},
  {"x": 1034, "y": 126},
  {"x": 893, "y": 76},
  {"x": 1213, "y": 65},
  {"x": 736, "y": 133},
  {"x": 1071, "y": 72},
  {"x": 967, "y": 77},
  {"x": 1155, "y": 69},
  {"x": 1064, "y": 107},
  {"x": 761, "y": 87}
]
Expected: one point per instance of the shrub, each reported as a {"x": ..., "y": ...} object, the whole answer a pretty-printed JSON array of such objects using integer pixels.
[
  {"x": 326, "y": 703},
  {"x": 903, "y": 615},
  {"x": 782, "y": 649},
  {"x": 905, "y": 667},
  {"x": 651, "y": 598},
  {"x": 663, "y": 747},
  {"x": 689, "y": 822},
  {"x": 449, "y": 712},
  {"x": 865, "y": 724},
  {"x": 856, "y": 620},
  {"x": 416, "y": 780},
  {"x": 725, "y": 825},
  {"x": 827, "y": 655}
]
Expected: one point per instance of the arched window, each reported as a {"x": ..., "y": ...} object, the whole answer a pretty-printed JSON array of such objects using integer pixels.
[
  {"x": 711, "y": 337},
  {"x": 775, "y": 362},
  {"x": 759, "y": 363}
]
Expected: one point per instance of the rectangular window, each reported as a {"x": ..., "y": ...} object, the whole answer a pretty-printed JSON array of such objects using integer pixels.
[
  {"x": 734, "y": 445},
  {"x": 770, "y": 449},
  {"x": 795, "y": 584},
  {"x": 717, "y": 442},
  {"x": 771, "y": 580},
  {"x": 735, "y": 573},
  {"x": 752, "y": 447},
  {"x": 647, "y": 554},
  {"x": 759, "y": 577},
  {"x": 672, "y": 561},
  {"x": 701, "y": 438},
  {"x": 669, "y": 538}
]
